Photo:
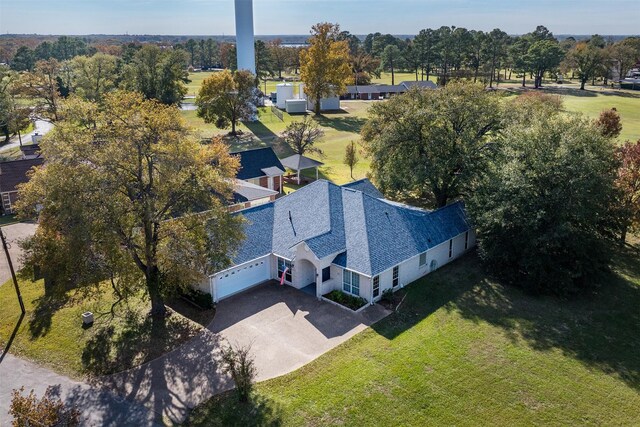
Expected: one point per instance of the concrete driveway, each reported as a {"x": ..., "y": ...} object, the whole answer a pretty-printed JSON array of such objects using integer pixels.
[
  {"x": 285, "y": 327},
  {"x": 14, "y": 233}
]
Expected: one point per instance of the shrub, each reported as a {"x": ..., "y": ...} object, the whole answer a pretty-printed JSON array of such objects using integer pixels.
[
  {"x": 350, "y": 301},
  {"x": 48, "y": 411},
  {"x": 203, "y": 299},
  {"x": 387, "y": 296},
  {"x": 241, "y": 366}
]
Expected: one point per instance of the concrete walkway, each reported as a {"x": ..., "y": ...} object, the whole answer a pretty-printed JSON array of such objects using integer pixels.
[{"x": 285, "y": 327}]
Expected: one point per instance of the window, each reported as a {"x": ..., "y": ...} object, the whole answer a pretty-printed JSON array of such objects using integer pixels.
[
  {"x": 351, "y": 282},
  {"x": 326, "y": 274},
  {"x": 423, "y": 259},
  {"x": 396, "y": 274},
  {"x": 283, "y": 265},
  {"x": 376, "y": 286},
  {"x": 466, "y": 240},
  {"x": 450, "y": 247}
]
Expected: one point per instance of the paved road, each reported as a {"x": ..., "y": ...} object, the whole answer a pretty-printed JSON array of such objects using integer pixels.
[
  {"x": 99, "y": 407},
  {"x": 40, "y": 127},
  {"x": 14, "y": 233}
]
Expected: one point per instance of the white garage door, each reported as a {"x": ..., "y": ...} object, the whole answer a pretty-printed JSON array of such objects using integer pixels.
[{"x": 241, "y": 278}]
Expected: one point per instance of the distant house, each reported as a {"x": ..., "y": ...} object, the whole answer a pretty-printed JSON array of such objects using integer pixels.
[
  {"x": 326, "y": 237},
  {"x": 422, "y": 84},
  {"x": 12, "y": 174},
  {"x": 261, "y": 167},
  {"x": 373, "y": 92}
]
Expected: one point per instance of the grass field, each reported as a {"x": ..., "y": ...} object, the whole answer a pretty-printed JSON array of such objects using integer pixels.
[
  {"x": 465, "y": 350},
  {"x": 342, "y": 127},
  {"x": 51, "y": 332}
]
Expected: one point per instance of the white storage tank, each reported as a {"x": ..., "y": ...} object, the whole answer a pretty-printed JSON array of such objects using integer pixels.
[
  {"x": 296, "y": 106},
  {"x": 284, "y": 91}
]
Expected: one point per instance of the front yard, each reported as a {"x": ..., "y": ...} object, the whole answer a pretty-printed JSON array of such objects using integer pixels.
[
  {"x": 51, "y": 333},
  {"x": 466, "y": 350}
]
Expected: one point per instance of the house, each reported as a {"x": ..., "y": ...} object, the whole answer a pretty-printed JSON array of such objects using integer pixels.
[
  {"x": 381, "y": 91},
  {"x": 261, "y": 167},
  {"x": 422, "y": 84},
  {"x": 247, "y": 195},
  {"x": 13, "y": 173},
  {"x": 325, "y": 237}
]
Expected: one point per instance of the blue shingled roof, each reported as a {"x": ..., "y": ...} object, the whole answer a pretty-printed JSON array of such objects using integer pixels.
[
  {"x": 368, "y": 234},
  {"x": 365, "y": 186},
  {"x": 253, "y": 161}
]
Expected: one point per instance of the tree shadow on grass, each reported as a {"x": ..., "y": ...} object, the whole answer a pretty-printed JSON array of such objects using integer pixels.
[
  {"x": 176, "y": 382},
  {"x": 123, "y": 344},
  {"x": 261, "y": 131},
  {"x": 600, "y": 328},
  {"x": 44, "y": 308},
  {"x": 344, "y": 124},
  {"x": 226, "y": 410},
  {"x": 430, "y": 293}
]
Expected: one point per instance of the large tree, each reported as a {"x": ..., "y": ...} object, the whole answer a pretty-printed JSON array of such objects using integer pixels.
[
  {"x": 542, "y": 210},
  {"x": 42, "y": 87},
  {"x": 391, "y": 59},
  {"x": 542, "y": 56},
  {"x": 129, "y": 193},
  {"x": 301, "y": 136},
  {"x": 158, "y": 74},
  {"x": 94, "y": 76},
  {"x": 13, "y": 116},
  {"x": 628, "y": 183},
  {"x": 264, "y": 62},
  {"x": 279, "y": 55},
  {"x": 586, "y": 59},
  {"x": 430, "y": 145},
  {"x": 324, "y": 67},
  {"x": 225, "y": 98}
]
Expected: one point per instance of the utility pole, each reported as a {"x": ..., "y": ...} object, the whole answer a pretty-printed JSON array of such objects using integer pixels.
[{"x": 13, "y": 273}]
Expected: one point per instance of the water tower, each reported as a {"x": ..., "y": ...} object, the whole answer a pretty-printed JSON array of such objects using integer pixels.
[{"x": 245, "y": 49}]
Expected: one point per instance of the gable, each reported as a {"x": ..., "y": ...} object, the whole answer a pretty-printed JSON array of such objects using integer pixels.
[
  {"x": 369, "y": 234},
  {"x": 252, "y": 162}
]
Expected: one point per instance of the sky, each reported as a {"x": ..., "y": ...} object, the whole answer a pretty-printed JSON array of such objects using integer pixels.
[{"x": 215, "y": 17}]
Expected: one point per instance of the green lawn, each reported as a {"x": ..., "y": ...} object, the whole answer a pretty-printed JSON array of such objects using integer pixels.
[
  {"x": 343, "y": 127},
  {"x": 340, "y": 128},
  {"x": 465, "y": 350},
  {"x": 51, "y": 332}
]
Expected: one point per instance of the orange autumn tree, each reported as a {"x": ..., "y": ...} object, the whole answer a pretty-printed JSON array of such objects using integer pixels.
[
  {"x": 628, "y": 183},
  {"x": 324, "y": 66}
]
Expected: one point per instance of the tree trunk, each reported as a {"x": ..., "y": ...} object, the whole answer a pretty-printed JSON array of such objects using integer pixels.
[
  {"x": 582, "y": 82},
  {"x": 233, "y": 127},
  {"x": 393, "y": 76},
  {"x": 441, "y": 198},
  {"x": 524, "y": 80},
  {"x": 152, "y": 276},
  {"x": 316, "y": 109}
]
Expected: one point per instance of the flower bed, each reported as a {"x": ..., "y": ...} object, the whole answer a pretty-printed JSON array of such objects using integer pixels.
[{"x": 350, "y": 301}]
